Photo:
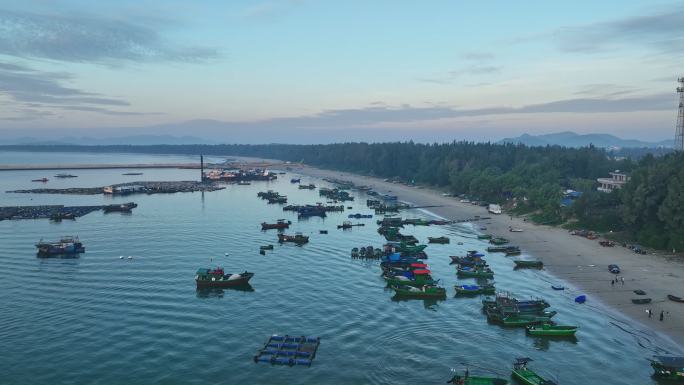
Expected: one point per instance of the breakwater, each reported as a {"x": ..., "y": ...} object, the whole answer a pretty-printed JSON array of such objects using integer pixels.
[
  {"x": 58, "y": 212},
  {"x": 161, "y": 187}
]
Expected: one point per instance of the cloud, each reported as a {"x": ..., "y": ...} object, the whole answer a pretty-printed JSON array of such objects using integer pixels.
[
  {"x": 269, "y": 11},
  {"x": 27, "y": 87},
  {"x": 477, "y": 56},
  {"x": 606, "y": 90},
  {"x": 88, "y": 39},
  {"x": 663, "y": 31}
]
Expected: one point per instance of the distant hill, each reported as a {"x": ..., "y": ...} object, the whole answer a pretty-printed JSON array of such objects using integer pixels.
[{"x": 572, "y": 139}]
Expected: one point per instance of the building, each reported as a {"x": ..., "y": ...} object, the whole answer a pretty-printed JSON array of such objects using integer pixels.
[{"x": 616, "y": 180}]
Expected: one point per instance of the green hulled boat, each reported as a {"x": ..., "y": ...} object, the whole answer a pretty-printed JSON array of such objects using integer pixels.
[
  {"x": 498, "y": 241},
  {"x": 474, "y": 289},
  {"x": 467, "y": 379},
  {"x": 474, "y": 272},
  {"x": 438, "y": 240},
  {"x": 668, "y": 368},
  {"x": 424, "y": 291},
  {"x": 551, "y": 330},
  {"x": 525, "y": 320},
  {"x": 529, "y": 264},
  {"x": 484, "y": 236},
  {"x": 527, "y": 376}
]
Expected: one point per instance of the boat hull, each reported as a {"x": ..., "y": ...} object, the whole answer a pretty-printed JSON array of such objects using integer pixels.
[{"x": 243, "y": 281}]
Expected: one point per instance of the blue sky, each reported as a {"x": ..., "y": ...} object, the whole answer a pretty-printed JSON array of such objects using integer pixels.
[{"x": 307, "y": 70}]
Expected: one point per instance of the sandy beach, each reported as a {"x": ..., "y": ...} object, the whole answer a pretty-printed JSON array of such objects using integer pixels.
[{"x": 581, "y": 262}]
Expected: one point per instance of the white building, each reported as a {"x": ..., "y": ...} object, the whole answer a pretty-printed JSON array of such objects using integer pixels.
[{"x": 616, "y": 180}]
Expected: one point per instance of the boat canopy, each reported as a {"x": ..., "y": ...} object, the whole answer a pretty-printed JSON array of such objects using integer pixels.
[
  {"x": 421, "y": 272},
  {"x": 416, "y": 264},
  {"x": 670, "y": 361}
]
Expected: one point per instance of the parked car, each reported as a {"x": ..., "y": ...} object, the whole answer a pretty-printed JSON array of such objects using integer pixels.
[{"x": 615, "y": 269}]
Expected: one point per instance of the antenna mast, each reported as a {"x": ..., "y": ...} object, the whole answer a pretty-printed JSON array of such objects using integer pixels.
[{"x": 679, "y": 135}]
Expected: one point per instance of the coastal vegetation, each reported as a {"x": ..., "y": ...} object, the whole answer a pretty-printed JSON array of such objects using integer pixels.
[{"x": 526, "y": 180}]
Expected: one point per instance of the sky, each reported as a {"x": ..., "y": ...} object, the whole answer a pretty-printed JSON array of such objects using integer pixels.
[{"x": 302, "y": 71}]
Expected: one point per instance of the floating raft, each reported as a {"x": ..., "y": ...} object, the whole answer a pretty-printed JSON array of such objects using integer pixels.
[{"x": 289, "y": 350}]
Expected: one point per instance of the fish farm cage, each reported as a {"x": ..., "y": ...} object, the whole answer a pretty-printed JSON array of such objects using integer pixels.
[{"x": 288, "y": 350}]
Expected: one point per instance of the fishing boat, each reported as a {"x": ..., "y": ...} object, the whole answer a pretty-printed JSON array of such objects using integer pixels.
[
  {"x": 309, "y": 186},
  {"x": 417, "y": 278},
  {"x": 65, "y": 246},
  {"x": 484, "y": 236},
  {"x": 280, "y": 224},
  {"x": 474, "y": 272},
  {"x": 468, "y": 260},
  {"x": 514, "y": 230},
  {"x": 498, "y": 241},
  {"x": 558, "y": 287},
  {"x": 675, "y": 298},
  {"x": 527, "y": 376},
  {"x": 280, "y": 199},
  {"x": 360, "y": 216},
  {"x": 513, "y": 252},
  {"x": 668, "y": 367},
  {"x": 348, "y": 225},
  {"x": 464, "y": 290},
  {"x": 467, "y": 379},
  {"x": 295, "y": 180},
  {"x": 526, "y": 319},
  {"x": 441, "y": 240},
  {"x": 66, "y": 176},
  {"x": 267, "y": 247},
  {"x": 40, "y": 180},
  {"x": 243, "y": 183},
  {"x": 423, "y": 291},
  {"x": 298, "y": 238},
  {"x": 528, "y": 264},
  {"x": 218, "y": 278},
  {"x": 503, "y": 249},
  {"x": 355, "y": 252},
  {"x": 121, "y": 208},
  {"x": 549, "y": 330},
  {"x": 641, "y": 301},
  {"x": 132, "y": 173}
]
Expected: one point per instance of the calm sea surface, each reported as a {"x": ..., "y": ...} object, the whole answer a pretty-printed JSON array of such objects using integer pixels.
[{"x": 99, "y": 319}]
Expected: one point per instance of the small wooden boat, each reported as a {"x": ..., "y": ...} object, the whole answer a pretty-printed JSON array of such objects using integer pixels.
[
  {"x": 641, "y": 301},
  {"x": 298, "y": 238},
  {"x": 355, "y": 252},
  {"x": 581, "y": 299},
  {"x": 484, "y": 236},
  {"x": 526, "y": 376},
  {"x": 467, "y": 379},
  {"x": 528, "y": 264},
  {"x": 441, "y": 240},
  {"x": 416, "y": 278},
  {"x": 498, "y": 241},
  {"x": 514, "y": 230},
  {"x": 217, "y": 278},
  {"x": 639, "y": 292},
  {"x": 310, "y": 186},
  {"x": 267, "y": 247},
  {"x": 463, "y": 290},
  {"x": 40, "y": 180},
  {"x": 474, "y": 272},
  {"x": 550, "y": 330},
  {"x": 348, "y": 225},
  {"x": 510, "y": 253},
  {"x": 668, "y": 367},
  {"x": 675, "y": 298},
  {"x": 132, "y": 173},
  {"x": 424, "y": 291},
  {"x": 558, "y": 287},
  {"x": 323, "y": 231},
  {"x": 66, "y": 176},
  {"x": 280, "y": 224}
]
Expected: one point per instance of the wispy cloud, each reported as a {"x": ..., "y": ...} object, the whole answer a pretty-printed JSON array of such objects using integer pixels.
[
  {"x": 88, "y": 38},
  {"x": 663, "y": 31},
  {"x": 28, "y": 87}
]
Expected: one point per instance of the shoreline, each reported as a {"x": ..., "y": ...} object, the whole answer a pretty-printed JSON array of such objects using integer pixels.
[{"x": 578, "y": 261}]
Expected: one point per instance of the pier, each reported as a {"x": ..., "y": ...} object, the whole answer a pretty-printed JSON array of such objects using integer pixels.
[
  {"x": 59, "y": 212},
  {"x": 134, "y": 188}
]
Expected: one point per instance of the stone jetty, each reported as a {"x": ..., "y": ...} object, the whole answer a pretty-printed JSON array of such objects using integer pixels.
[
  {"x": 58, "y": 212},
  {"x": 161, "y": 187}
]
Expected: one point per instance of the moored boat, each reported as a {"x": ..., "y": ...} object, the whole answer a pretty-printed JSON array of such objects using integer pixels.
[
  {"x": 484, "y": 236},
  {"x": 441, "y": 240},
  {"x": 675, "y": 298},
  {"x": 417, "y": 278},
  {"x": 218, "y": 278},
  {"x": 65, "y": 246},
  {"x": 474, "y": 289},
  {"x": 423, "y": 291},
  {"x": 668, "y": 367},
  {"x": 474, "y": 272},
  {"x": 550, "y": 330},
  {"x": 298, "y": 238},
  {"x": 527, "y": 376},
  {"x": 498, "y": 241},
  {"x": 280, "y": 224},
  {"x": 529, "y": 264},
  {"x": 641, "y": 301}
]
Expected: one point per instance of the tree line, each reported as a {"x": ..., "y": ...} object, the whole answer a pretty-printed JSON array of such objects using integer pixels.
[{"x": 528, "y": 180}]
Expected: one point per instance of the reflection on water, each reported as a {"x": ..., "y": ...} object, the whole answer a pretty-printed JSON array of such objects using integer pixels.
[
  {"x": 104, "y": 320},
  {"x": 218, "y": 292}
]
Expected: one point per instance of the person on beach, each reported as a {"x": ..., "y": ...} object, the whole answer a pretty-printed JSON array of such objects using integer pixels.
[
  {"x": 662, "y": 314},
  {"x": 623, "y": 280},
  {"x": 612, "y": 282},
  {"x": 650, "y": 313}
]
